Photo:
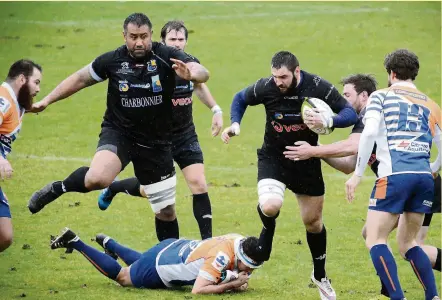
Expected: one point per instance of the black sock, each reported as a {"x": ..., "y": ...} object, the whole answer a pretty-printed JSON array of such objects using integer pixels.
[
  {"x": 267, "y": 233},
  {"x": 167, "y": 229},
  {"x": 130, "y": 186},
  {"x": 317, "y": 243},
  {"x": 72, "y": 183},
  {"x": 437, "y": 265},
  {"x": 203, "y": 214}
]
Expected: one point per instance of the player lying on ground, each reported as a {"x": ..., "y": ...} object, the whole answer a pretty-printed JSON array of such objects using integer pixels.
[{"x": 212, "y": 266}]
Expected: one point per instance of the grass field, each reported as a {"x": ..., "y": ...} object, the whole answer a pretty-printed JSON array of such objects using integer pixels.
[{"x": 235, "y": 41}]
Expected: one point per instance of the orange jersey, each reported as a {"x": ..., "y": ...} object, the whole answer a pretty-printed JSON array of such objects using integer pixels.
[
  {"x": 184, "y": 260},
  {"x": 11, "y": 115}
]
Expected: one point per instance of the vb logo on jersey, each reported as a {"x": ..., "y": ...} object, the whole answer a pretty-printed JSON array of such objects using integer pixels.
[
  {"x": 152, "y": 65},
  {"x": 221, "y": 261},
  {"x": 156, "y": 84}
]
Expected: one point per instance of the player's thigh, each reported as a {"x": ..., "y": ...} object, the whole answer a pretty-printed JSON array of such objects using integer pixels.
[
  {"x": 6, "y": 232},
  {"x": 379, "y": 225},
  {"x": 156, "y": 173},
  {"x": 310, "y": 208},
  {"x": 111, "y": 157}
]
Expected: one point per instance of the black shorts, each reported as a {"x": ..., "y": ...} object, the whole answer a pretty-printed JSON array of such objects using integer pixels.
[
  {"x": 151, "y": 164},
  {"x": 301, "y": 177},
  {"x": 435, "y": 209},
  {"x": 186, "y": 149}
]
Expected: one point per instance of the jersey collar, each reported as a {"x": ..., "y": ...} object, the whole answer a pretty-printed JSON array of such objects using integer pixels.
[
  {"x": 10, "y": 90},
  {"x": 404, "y": 83}
]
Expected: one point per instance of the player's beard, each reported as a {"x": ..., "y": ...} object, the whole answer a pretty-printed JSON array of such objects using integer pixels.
[
  {"x": 24, "y": 97},
  {"x": 140, "y": 52}
]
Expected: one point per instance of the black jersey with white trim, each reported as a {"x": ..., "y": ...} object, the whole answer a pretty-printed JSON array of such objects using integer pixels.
[{"x": 139, "y": 92}]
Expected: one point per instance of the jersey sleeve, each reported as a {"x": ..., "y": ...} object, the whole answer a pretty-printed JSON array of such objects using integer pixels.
[
  {"x": 214, "y": 265},
  {"x": 99, "y": 68},
  {"x": 374, "y": 106},
  {"x": 255, "y": 92},
  {"x": 331, "y": 96},
  {"x": 5, "y": 111},
  {"x": 359, "y": 126},
  {"x": 180, "y": 55}
]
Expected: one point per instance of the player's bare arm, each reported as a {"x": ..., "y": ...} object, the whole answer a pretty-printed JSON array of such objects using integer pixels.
[
  {"x": 190, "y": 71},
  {"x": 203, "y": 93},
  {"x": 204, "y": 286},
  {"x": 303, "y": 150},
  {"x": 344, "y": 164},
  {"x": 77, "y": 81}
]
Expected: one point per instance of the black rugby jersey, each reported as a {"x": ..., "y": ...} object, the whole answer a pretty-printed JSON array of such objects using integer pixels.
[
  {"x": 182, "y": 120},
  {"x": 139, "y": 92},
  {"x": 284, "y": 124}
]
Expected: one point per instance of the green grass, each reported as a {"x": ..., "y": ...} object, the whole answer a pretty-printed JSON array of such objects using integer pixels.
[{"x": 235, "y": 41}]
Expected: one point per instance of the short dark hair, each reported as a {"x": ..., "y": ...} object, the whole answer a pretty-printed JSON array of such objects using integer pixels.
[
  {"x": 402, "y": 62},
  {"x": 138, "y": 19},
  {"x": 285, "y": 59},
  {"x": 173, "y": 25},
  {"x": 24, "y": 67},
  {"x": 251, "y": 248},
  {"x": 361, "y": 82}
]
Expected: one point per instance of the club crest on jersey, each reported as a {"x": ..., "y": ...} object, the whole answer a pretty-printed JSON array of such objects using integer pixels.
[
  {"x": 221, "y": 261},
  {"x": 278, "y": 116},
  {"x": 123, "y": 87},
  {"x": 152, "y": 65},
  {"x": 156, "y": 84}
]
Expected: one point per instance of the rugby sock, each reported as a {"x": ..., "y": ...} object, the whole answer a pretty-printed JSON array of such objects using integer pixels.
[
  {"x": 101, "y": 261},
  {"x": 73, "y": 183},
  {"x": 130, "y": 186},
  {"x": 386, "y": 268},
  {"x": 384, "y": 290},
  {"x": 202, "y": 211},
  {"x": 317, "y": 243},
  {"x": 437, "y": 265},
  {"x": 267, "y": 233},
  {"x": 422, "y": 268},
  {"x": 128, "y": 255},
  {"x": 167, "y": 229}
]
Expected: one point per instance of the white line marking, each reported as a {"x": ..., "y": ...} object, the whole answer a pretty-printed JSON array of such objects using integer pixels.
[
  {"x": 249, "y": 168},
  {"x": 118, "y": 22}
]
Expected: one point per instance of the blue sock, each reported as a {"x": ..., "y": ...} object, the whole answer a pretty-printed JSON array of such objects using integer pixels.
[
  {"x": 422, "y": 268},
  {"x": 128, "y": 255},
  {"x": 101, "y": 261},
  {"x": 386, "y": 268}
]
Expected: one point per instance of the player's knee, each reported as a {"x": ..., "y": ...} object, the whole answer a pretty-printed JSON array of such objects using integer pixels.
[
  {"x": 197, "y": 184},
  {"x": 123, "y": 278},
  {"x": 404, "y": 246},
  {"x": 364, "y": 232},
  {"x": 271, "y": 207},
  {"x": 96, "y": 179},
  {"x": 167, "y": 213},
  {"x": 5, "y": 240}
]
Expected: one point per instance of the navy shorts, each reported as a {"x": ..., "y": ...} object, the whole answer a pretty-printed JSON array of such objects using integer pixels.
[
  {"x": 143, "y": 272},
  {"x": 403, "y": 193},
  {"x": 5, "y": 212}
]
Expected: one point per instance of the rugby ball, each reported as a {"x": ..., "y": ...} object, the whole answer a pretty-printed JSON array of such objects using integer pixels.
[
  {"x": 307, "y": 107},
  {"x": 227, "y": 276}
]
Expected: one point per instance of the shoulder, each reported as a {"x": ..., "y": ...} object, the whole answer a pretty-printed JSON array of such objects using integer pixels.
[{"x": 194, "y": 58}]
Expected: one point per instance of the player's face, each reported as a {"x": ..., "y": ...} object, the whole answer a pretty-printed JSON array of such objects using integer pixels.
[
  {"x": 29, "y": 89},
  {"x": 283, "y": 78},
  {"x": 243, "y": 268},
  {"x": 138, "y": 40},
  {"x": 176, "y": 38},
  {"x": 350, "y": 94}
]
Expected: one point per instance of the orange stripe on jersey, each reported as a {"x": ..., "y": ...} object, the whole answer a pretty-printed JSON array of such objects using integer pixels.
[
  {"x": 417, "y": 97},
  {"x": 381, "y": 188}
]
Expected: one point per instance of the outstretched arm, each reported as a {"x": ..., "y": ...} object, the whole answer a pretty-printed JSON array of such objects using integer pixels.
[
  {"x": 77, "y": 81},
  {"x": 203, "y": 93}
]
